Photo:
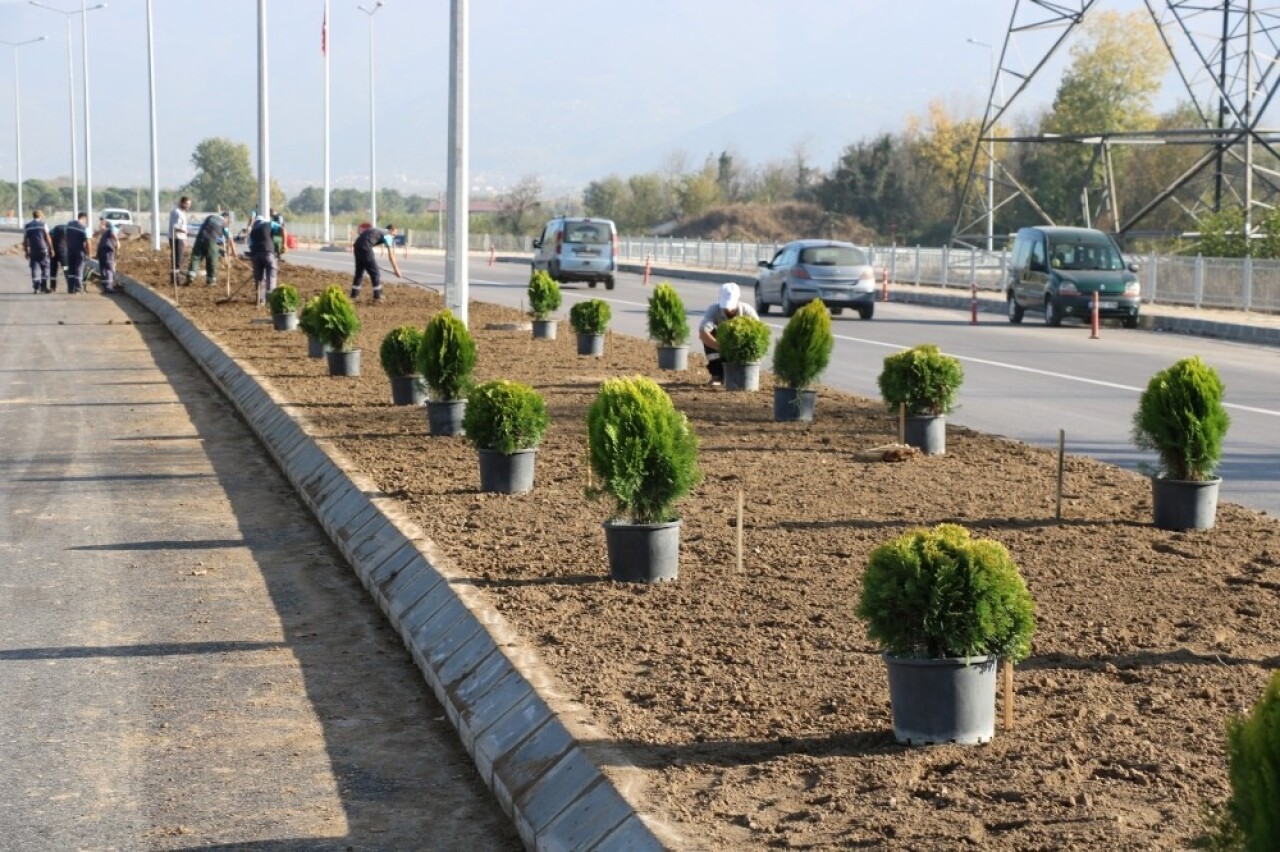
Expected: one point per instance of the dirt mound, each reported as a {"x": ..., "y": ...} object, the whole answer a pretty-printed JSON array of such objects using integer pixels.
[
  {"x": 752, "y": 702},
  {"x": 773, "y": 223}
]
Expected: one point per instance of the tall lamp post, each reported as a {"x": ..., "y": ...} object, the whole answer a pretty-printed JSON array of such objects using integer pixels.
[
  {"x": 83, "y": 12},
  {"x": 991, "y": 154},
  {"x": 17, "y": 115},
  {"x": 373, "y": 151}
]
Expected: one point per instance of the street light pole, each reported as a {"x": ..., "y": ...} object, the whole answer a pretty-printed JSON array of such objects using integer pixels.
[
  {"x": 155, "y": 161},
  {"x": 456, "y": 266},
  {"x": 17, "y": 115},
  {"x": 83, "y": 11},
  {"x": 991, "y": 154},
  {"x": 264, "y": 127},
  {"x": 373, "y": 150}
]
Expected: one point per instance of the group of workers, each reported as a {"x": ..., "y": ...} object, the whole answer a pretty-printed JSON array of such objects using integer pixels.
[{"x": 69, "y": 246}]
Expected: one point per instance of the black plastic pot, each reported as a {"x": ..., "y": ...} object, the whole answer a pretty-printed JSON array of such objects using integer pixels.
[
  {"x": 344, "y": 363},
  {"x": 1184, "y": 505},
  {"x": 673, "y": 358},
  {"x": 793, "y": 406},
  {"x": 285, "y": 322},
  {"x": 742, "y": 377},
  {"x": 444, "y": 417},
  {"x": 506, "y": 474},
  {"x": 315, "y": 347},
  {"x": 408, "y": 390},
  {"x": 643, "y": 553},
  {"x": 591, "y": 344},
  {"x": 927, "y": 433},
  {"x": 544, "y": 329},
  {"x": 948, "y": 700}
]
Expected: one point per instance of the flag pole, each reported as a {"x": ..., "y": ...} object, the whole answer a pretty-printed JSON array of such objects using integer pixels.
[{"x": 324, "y": 48}]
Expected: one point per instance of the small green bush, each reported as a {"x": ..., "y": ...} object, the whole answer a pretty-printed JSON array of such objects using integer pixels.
[
  {"x": 339, "y": 323},
  {"x": 284, "y": 299},
  {"x": 742, "y": 340},
  {"x": 939, "y": 593},
  {"x": 804, "y": 350},
  {"x": 544, "y": 295},
  {"x": 923, "y": 379},
  {"x": 643, "y": 451},
  {"x": 1180, "y": 415},
  {"x": 590, "y": 317},
  {"x": 399, "y": 350},
  {"x": 447, "y": 356},
  {"x": 309, "y": 316},
  {"x": 667, "y": 322},
  {"x": 505, "y": 416},
  {"x": 1253, "y": 751}
]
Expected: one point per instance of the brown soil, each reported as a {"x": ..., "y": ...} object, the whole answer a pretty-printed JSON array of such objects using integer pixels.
[{"x": 752, "y": 701}]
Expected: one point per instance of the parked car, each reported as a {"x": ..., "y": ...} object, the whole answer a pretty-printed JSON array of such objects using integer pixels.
[
  {"x": 578, "y": 249},
  {"x": 1057, "y": 271},
  {"x": 121, "y": 218},
  {"x": 840, "y": 274}
]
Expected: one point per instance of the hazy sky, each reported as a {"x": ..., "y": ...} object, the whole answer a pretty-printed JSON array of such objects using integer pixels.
[{"x": 566, "y": 91}]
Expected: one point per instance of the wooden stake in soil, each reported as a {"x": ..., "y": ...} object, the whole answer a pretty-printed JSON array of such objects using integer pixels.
[
  {"x": 1062, "y": 444},
  {"x": 1006, "y": 668},
  {"x": 739, "y": 530},
  {"x": 227, "y": 268},
  {"x": 902, "y": 423}
]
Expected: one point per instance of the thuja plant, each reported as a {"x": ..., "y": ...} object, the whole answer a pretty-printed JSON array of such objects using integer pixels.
[
  {"x": 1253, "y": 751},
  {"x": 339, "y": 323},
  {"x": 922, "y": 379},
  {"x": 590, "y": 317},
  {"x": 446, "y": 356},
  {"x": 643, "y": 451},
  {"x": 804, "y": 350},
  {"x": 284, "y": 299},
  {"x": 940, "y": 593},
  {"x": 399, "y": 350},
  {"x": 505, "y": 416},
  {"x": 309, "y": 316},
  {"x": 667, "y": 323},
  {"x": 544, "y": 295},
  {"x": 1180, "y": 415},
  {"x": 742, "y": 340}
]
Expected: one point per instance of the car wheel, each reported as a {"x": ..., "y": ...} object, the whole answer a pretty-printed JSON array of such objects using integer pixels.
[
  {"x": 866, "y": 311},
  {"x": 762, "y": 307},
  {"x": 835, "y": 312},
  {"x": 788, "y": 306},
  {"x": 553, "y": 269},
  {"x": 1015, "y": 310},
  {"x": 591, "y": 284},
  {"x": 1129, "y": 322},
  {"x": 609, "y": 282},
  {"x": 1051, "y": 316}
]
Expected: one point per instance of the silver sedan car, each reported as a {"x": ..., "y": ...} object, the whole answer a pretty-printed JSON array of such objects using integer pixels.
[{"x": 840, "y": 274}]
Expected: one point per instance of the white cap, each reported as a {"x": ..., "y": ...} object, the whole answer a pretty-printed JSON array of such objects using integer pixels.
[{"x": 729, "y": 296}]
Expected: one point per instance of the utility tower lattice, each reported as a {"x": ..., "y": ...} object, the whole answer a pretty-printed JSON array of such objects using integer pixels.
[{"x": 1227, "y": 55}]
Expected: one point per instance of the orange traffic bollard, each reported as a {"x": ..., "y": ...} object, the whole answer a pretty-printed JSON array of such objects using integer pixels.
[
  {"x": 884, "y": 286},
  {"x": 493, "y": 254},
  {"x": 973, "y": 302},
  {"x": 1093, "y": 334},
  {"x": 648, "y": 267}
]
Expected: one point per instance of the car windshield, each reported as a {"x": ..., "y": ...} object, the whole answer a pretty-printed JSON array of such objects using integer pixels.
[
  {"x": 832, "y": 256},
  {"x": 1085, "y": 255},
  {"x": 592, "y": 233},
  {"x": 115, "y": 214}
]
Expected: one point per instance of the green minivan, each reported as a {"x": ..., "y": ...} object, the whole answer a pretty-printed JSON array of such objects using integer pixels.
[{"x": 1057, "y": 271}]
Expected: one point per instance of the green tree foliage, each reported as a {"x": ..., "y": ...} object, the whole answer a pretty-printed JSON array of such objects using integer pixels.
[
  {"x": 699, "y": 192},
  {"x": 1222, "y": 234},
  {"x": 447, "y": 356},
  {"x": 1180, "y": 415},
  {"x": 605, "y": 199},
  {"x": 590, "y": 316},
  {"x": 544, "y": 295},
  {"x": 643, "y": 451},
  {"x": 804, "y": 350},
  {"x": 1253, "y": 750},
  {"x": 399, "y": 350},
  {"x": 941, "y": 594},
  {"x": 505, "y": 416},
  {"x": 667, "y": 322},
  {"x": 923, "y": 379},
  {"x": 743, "y": 339},
  {"x": 521, "y": 208},
  {"x": 873, "y": 181},
  {"x": 223, "y": 179}
]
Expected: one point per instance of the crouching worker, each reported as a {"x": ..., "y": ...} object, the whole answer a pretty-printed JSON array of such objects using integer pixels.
[{"x": 728, "y": 305}]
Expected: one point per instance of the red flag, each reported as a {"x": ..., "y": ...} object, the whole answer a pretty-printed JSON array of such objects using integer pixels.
[{"x": 324, "y": 35}]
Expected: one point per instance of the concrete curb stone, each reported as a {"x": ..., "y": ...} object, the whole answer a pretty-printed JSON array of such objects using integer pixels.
[{"x": 556, "y": 796}]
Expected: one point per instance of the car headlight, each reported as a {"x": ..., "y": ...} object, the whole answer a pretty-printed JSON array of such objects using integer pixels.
[
  {"x": 1132, "y": 288},
  {"x": 1068, "y": 288}
]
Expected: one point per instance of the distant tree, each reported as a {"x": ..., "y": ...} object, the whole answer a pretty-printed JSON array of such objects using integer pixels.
[
  {"x": 223, "y": 179},
  {"x": 647, "y": 205},
  {"x": 606, "y": 199},
  {"x": 729, "y": 177},
  {"x": 347, "y": 201},
  {"x": 869, "y": 182},
  {"x": 520, "y": 206},
  {"x": 310, "y": 200},
  {"x": 113, "y": 197},
  {"x": 1222, "y": 234},
  {"x": 699, "y": 192}
]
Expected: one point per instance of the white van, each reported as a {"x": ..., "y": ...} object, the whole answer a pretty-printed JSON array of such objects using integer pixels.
[{"x": 578, "y": 249}]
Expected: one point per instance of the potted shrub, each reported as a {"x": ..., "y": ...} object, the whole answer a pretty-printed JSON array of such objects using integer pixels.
[
  {"x": 743, "y": 341},
  {"x": 446, "y": 357},
  {"x": 668, "y": 327},
  {"x": 284, "y": 301},
  {"x": 339, "y": 325},
  {"x": 1180, "y": 415},
  {"x": 802, "y": 353},
  {"x": 645, "y": 458},
  {"x": 590, "y": 319},
  {"x": 1253, "y": 751},
  {"x": 309, "y": 322},
  {"x": 544, "y": 299},
  {"x": 399, "y": 355},
  {"x": 922, "y": 382},
  {"x": 944, "y": 608},
  {"x": 505, "y": 421}
]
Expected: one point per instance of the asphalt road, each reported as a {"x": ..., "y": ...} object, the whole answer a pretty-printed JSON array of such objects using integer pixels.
[
  {"x": 1025, "y": 382},
  {"x": 185, "y": 660}
]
